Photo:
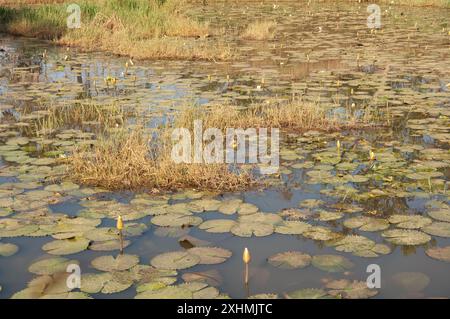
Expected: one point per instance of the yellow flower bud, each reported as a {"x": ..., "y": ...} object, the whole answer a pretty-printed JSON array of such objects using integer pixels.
[
  {"x": 119, "y": 223},
  {"x": 372, "y": 155},
  {"x": 246, "y": 256}
]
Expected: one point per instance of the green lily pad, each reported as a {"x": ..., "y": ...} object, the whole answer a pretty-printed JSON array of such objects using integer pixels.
[
  {"x": 320, "y": 233},
  {"x": 405, "y": 237},
  {"x": 307, "y": 293},
  {"x": 108, "y": 245},
  {"x": 169, "y": 292},
  {"x": 247, "y": 209},
  {"x": 409, "y": 221},
  {"x": 111, "y": 263},
  {"x": 249, "y": 229},
  {"x": 331, "y": 263},
  {"x": 290, "y": 260},
  {"x": 440, "y": 229},
  {"x": 51, "y": 266},
  {"x": 411, "y": 281},
  {"x": 292, "y": 227},
  {"x": 217, "y": 225},
  {"x": 229, "y": 207},
  {"x": 439, "y": 253},
  {"x": 350, "y": 289},
  {"x": 175, "y": 260},
  {"x": 66, "y": 246},
  {"x": 176, "y": 220},
  {"x": 442, "y": 215},
  {"x": 365, "y": 223},
  {"x": 211, "y": 255},
  {"x": 7, "y": 250}
]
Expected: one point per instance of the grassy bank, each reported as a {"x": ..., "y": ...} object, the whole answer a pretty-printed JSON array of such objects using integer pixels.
[
  {"x": 126, "y": 159},
  {"x": 137, "y": 28}
]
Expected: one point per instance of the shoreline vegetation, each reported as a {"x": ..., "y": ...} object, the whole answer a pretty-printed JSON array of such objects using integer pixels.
[
  {"x": 128, "y": 158},
  {"x": 154, "y": 29}
]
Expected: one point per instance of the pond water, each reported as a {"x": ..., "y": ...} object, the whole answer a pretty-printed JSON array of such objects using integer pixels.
[{"x": 393, "y": 211}]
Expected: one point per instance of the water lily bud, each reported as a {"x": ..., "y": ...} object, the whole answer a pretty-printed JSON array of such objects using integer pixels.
[
  {"x": 119, "y": 223},
  {"x": 246, "y": 256}
]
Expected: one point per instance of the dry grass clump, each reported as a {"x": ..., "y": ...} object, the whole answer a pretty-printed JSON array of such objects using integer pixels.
[
  {"x": 295, "y": 115},
  {"x": 126, "y": 160},
  {"x": 260, "y": 30},
  {"x": 54, "y": 116}
]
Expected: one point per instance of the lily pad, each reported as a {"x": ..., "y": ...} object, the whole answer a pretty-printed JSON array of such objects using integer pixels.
[
  {"x": 350, "y": 289},
  {"x": 66, "y": 246},
  {"x": 307, "y": 293},
  {"x": 290, "y": 260},
  {"x": 331, "y": 263},
  {"x": 111, "y": 263},
  {"x": 7, "y": 250},
  {"x": 292, "y": 227},
  {"x": 411, "y": 281},
  {"x": 409, "y": 221},
  {"x": 405, "y": 237},
  {"x": 440, "y": 229},
  {"x": 217, "y": 225},
  {"x": 365, "y": 223},
  {"x": 176, "y": 220},
  {"x": 211, "y": 255},
  {"x": 51, "y": 266},
  {"x": 439, "y": 253},
  {"x": 175, "y": 260}
]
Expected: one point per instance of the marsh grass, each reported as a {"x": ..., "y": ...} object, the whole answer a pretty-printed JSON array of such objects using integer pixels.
[
  {"x": 134, "y": 159},
  {"x": 75, "y": 115},
  {"x": 260, "y": 30},
  {"x": 125, "y": 160},
  {"x": 137, "y": 28}
]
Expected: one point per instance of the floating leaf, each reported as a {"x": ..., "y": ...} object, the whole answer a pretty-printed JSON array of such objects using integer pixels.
[
  {"x": 108, "y": 245},
  {"x": 7, "y": 250},
  {"x": 439, "y": 253},
  {"x": 175, "y": 260},
  {"x": 332, "y": 263},
  {"x": 111, "y": 263},
  {"x": 350, "y": 289},
  {"x": 66, "y": 246},
  {"x": 176, "y": 220},
  {"x": 247, "y": 229},
  {"x": 440, "y": 229},
  {"x": 320, "y": 233},
  {"x": 409, "y": 221},
  {"x": 51, "y": 266},
  {"x": 229, "y": 207},
  {"x": 365, "y": 223},
  {"x": 290, "y": 260},
  {"x": 292, "y": 227},
  {"x": 308, "y": 293},
  {"x": 211, "y": 277},
  {"x": 247, "y": 209},
  {"x": 411, "y": 281},
  {"x": 169, "y": 292},
  {"x": 405, "y": 237},
  {"x": 217, "y": 225},
  {"x": 211, "y": 255}
]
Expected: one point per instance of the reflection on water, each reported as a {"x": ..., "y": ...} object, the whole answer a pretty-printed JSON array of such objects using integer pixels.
[{"x": 325, "y": 55}]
